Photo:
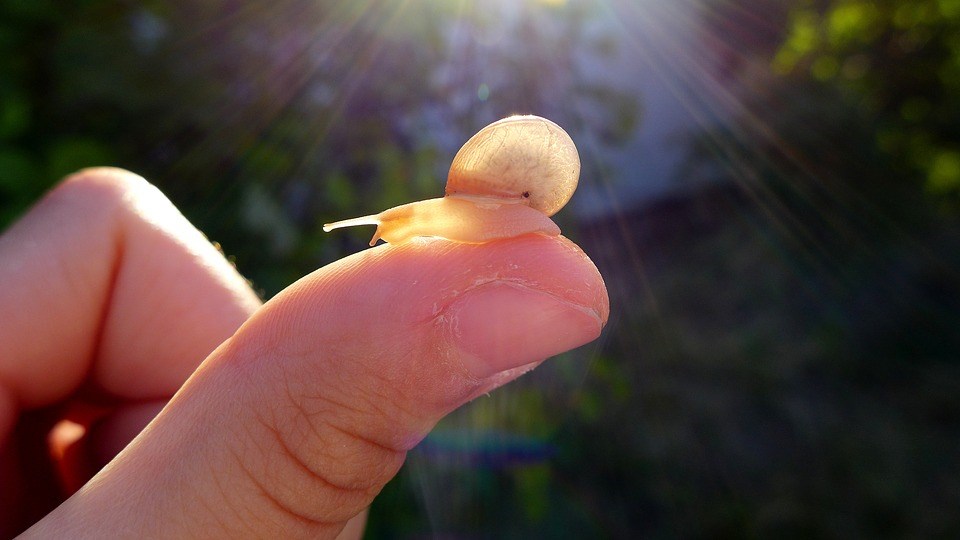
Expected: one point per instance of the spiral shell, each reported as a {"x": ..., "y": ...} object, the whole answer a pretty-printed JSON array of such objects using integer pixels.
[{"x": 524, "y": 158}]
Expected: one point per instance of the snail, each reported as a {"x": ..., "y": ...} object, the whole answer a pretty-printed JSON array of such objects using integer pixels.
[{"x": 505, "y": 181}]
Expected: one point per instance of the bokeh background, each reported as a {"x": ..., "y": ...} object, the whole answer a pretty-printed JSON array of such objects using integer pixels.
[{"x": 771, "y": 189}]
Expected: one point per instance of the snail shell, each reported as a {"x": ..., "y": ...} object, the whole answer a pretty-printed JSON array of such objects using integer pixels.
[
  {"x": 505, "y": 181},
  {"x": 520, "y": 157}
]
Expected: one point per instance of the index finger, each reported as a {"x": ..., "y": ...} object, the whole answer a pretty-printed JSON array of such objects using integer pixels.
[{"x": 104, "y": 279}]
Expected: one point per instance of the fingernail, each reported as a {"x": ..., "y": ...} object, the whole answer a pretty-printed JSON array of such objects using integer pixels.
[{"x": 500, "y": 326}]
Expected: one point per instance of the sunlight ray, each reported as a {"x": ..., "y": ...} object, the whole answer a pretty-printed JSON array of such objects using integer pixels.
[{"x": 688, "y": 78}]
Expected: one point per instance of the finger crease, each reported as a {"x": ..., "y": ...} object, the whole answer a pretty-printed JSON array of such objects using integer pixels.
[
  {"x": 300, "y": 463},
  {"x": 376, "y": 444},
  {"x": 282, "y": 507}
]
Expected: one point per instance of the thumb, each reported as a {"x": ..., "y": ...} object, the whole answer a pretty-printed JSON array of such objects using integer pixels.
[{"x": 293, "y": 425}]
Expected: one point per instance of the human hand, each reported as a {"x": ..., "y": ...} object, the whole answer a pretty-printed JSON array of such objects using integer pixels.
[{"x": 288, "y": 418}]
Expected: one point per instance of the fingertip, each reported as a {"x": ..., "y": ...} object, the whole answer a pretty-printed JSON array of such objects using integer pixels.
[
  {"x": 594, "y": 284},
  {"x": 525, "y": 299},
  {"x": 502, "y": 326}
]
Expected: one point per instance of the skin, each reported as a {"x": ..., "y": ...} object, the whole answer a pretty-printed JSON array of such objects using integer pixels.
[{"x": 282, "y": 420}]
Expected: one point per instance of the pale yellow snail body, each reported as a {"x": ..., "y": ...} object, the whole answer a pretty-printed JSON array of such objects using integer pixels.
[{"x": 505, "y": 181}]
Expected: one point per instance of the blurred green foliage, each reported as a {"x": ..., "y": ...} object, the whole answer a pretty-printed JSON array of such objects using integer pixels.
[
  {"x": 799, "y": 346},
  {"x": 900, "y": 61}
]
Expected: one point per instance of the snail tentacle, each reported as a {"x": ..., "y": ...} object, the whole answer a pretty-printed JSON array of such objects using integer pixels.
[{"x": 364, "y": 220}]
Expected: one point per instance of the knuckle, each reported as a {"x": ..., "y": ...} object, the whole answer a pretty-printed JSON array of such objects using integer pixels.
[
  {"x": 109, "y": 181},
  {"x": 103, "y": 192}
]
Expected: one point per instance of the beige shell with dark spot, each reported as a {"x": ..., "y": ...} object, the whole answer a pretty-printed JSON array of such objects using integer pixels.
[{"x": 525, "y": 158}]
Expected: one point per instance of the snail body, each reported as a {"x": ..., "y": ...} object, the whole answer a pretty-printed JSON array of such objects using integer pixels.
[{"x": 505, "y": 181}]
